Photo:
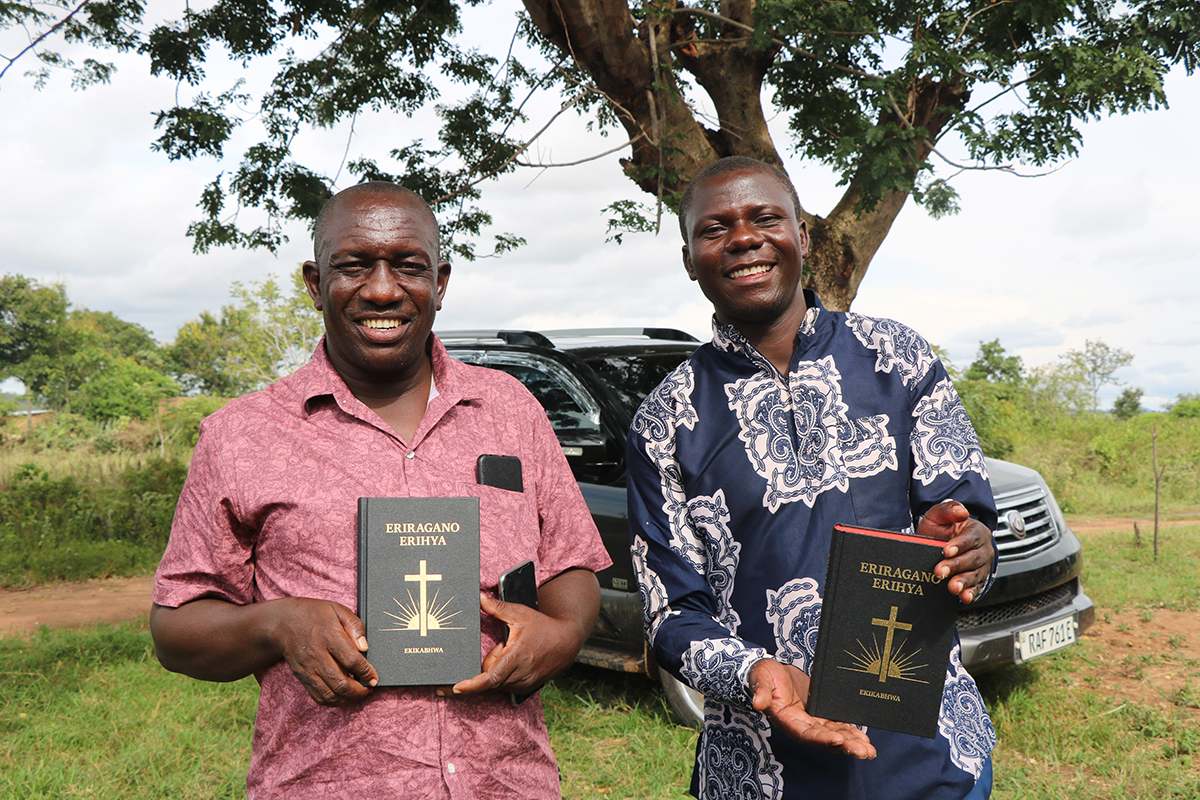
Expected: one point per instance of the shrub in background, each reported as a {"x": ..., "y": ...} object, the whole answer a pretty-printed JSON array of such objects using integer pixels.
[{"x": 71, "y": 529}]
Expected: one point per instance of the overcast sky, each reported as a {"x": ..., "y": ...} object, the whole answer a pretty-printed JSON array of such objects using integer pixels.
[{"x": 1106, "y": 248}]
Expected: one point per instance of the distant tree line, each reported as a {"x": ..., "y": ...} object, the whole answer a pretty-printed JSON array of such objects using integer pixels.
[
  {"x": 93, "y": 364},
  {"x": 1003, "y": 396},
  {"x": 89, "y": 362},
  {"x": 101, "y": 367}
]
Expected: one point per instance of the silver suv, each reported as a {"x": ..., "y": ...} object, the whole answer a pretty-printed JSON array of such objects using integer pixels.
[{"x": 592, "y": 381}]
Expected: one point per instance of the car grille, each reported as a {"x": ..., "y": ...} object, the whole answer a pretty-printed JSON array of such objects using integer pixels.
[
  {"x": 1040, "y": 530},
  {"x": 1015, "y": 609}
]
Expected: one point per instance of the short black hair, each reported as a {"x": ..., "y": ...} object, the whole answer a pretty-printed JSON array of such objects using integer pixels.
[
  {"x": 370, "y": 187},
  {"x": 733, "y": 164}
]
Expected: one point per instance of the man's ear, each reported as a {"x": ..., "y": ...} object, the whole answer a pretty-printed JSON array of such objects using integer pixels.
[
  {"x": 687, "y": 263},
  {"x": 312, "y": 282},
  {"x": 443, "y": 278}
]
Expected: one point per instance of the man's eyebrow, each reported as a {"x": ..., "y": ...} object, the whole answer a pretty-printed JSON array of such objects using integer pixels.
[
  {"x": 718, "y": 214},
  {"x": 356, "y": 254}
]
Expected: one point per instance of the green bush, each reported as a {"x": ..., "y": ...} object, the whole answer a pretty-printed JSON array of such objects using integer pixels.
[
  {"x": 182, "y": 420},
  {"x": 173, "y": 432},
  {"x": 68, "y": 529},
  {"x": 125, "y": 389},
  {"x": 1098, "y": 464},
  {"x": 1186, "y": 409}
]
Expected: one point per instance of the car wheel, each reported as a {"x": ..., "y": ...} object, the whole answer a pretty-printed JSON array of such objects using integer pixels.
[{"x": 686, "y": 703}]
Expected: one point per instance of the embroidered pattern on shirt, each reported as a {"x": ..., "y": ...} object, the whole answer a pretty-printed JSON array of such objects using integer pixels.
[
  {"x": 801, "y": 468},
  {"x": 734, "y": 759},
  {"x": 808, "y": 325},
  {"x": 655, "y": 606},
  {"x": 896, "y": 345},
  {"x": 794, "y": 612},
  {"x": 667, "y": 409},
  {"x": 710, "y": 521},
  {"x": 942, "y": 440},
  {"x": 964, "y": 721},
  {"x": 867, "y": 447},
  {"x": 730, "y": 339},
  {"x": 720, "y": 668}
]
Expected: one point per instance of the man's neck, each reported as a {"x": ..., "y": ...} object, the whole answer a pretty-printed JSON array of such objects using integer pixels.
[
  {"x": 402, "y": 403},
  {"x": 775, "y": 340}
]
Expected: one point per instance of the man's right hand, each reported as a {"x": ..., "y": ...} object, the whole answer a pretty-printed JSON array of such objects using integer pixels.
[
  {"x": 321, "y": 641},
  {"x": 781, "y": 692}
]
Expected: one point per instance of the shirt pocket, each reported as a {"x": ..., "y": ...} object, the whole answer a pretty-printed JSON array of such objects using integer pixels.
[
  {"x": 509, "y": 532},
  {"x": 877, "y": 463}
]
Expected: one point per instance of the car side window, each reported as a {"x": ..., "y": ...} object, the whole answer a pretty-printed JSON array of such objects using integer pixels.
[
  {"x": 564, "y": 411},
  {"x": 568, "y": 405}
]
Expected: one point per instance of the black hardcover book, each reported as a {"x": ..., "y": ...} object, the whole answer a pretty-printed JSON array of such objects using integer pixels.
[
  {"x": 887, "y": 626},
  {"x": 418, "y": 588}
]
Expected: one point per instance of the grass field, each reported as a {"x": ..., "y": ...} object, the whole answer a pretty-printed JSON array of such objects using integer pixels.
[{"x": 91, "y": 714}]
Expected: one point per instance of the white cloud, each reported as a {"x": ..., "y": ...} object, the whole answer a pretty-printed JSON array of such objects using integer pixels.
[{"x": 1106, "y": 248}]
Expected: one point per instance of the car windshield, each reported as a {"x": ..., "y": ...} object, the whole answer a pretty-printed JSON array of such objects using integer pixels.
[{"x": 633, "y": 374}]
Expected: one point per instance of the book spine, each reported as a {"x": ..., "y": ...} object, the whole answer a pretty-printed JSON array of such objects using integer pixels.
[
  {"x": 362, "y": 558},
  {"x": 818, "y": 667}
]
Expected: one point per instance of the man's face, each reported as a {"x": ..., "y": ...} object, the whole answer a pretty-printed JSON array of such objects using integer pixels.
[
  {"x": 746, "y": 248},
  {"x": 378, "y": 286}
]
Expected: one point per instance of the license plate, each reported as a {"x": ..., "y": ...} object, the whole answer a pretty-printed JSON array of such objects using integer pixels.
[{"x": 1045, "y": 638}]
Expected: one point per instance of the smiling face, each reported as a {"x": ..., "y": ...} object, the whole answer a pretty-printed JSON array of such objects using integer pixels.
[
  {"x": 378, "y": 285},
  {"x": 746, "y": 248}
]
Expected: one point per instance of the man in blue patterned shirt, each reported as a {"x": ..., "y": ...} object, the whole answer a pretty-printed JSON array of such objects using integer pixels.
[{"x": 795, "y": 418}]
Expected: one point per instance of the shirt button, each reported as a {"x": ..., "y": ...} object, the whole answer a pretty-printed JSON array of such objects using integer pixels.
[
  {"x": 410, "y": 454},
  {"x": 450, "y": 768}
]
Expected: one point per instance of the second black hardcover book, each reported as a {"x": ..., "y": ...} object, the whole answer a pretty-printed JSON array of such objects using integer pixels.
[{"x": 887, "y": 626}]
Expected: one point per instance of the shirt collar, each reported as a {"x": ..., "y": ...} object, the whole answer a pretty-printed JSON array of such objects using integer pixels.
[
  {"x": 731, "y": 340},
  {"x": 322, "y": 380}
]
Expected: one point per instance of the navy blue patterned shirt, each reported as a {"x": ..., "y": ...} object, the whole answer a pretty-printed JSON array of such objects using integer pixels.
[{"x": 737, "y": 476}]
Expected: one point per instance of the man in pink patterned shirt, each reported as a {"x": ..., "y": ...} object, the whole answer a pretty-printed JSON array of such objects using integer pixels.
[{"x": 259, "y": 576}]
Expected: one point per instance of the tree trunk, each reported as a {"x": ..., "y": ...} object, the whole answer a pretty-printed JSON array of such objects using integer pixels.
[{"x": 633, "y": 63}]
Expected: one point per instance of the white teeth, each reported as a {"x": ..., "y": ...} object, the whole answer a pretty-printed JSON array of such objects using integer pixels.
[
  {"x": 756, "y": 269},
  {"x": 381, "y": 324}
]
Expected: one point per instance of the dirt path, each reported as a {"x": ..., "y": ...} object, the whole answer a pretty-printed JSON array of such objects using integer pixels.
[
  {"x": 1147, "y": 657},
  {"x": 23, "y": 611},
  {"x": 118, "y": 599}
]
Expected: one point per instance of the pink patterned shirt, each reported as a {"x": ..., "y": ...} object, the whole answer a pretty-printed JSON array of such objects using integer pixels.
[{"x": 269, "y": 510}]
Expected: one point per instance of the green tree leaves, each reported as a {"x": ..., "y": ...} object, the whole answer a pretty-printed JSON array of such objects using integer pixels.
[
  {"x": 893, "y": 95},
  {"x": 1096, "y": 363},
  {"x": 268, "y": 332},
  {"x": 1129, "y": 404},
  {"x": 993, "y": 365},
  {"x": 30, "y": 314},
  {"x": 105, "y": 366},
  {"x": 1002, "y": 398},
  {"x": 124, "y": 388}
]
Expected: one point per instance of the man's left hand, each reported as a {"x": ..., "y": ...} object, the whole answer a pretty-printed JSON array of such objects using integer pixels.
[
  {"x": 968, "y": 553},
  {"x": 541, "y": 643},
  {"x": 781, "y": 692}
]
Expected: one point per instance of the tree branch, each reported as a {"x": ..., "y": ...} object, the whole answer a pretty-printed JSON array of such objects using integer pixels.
[
  {"x": 610, "y": 151},
  {"x": 1010, "y": 169},
  {"x": 49, "y": 31},
  {"x": 700, "y": 12},
  {"x": 516, "y": 153},
  {"x": 970, "y": 17}
]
